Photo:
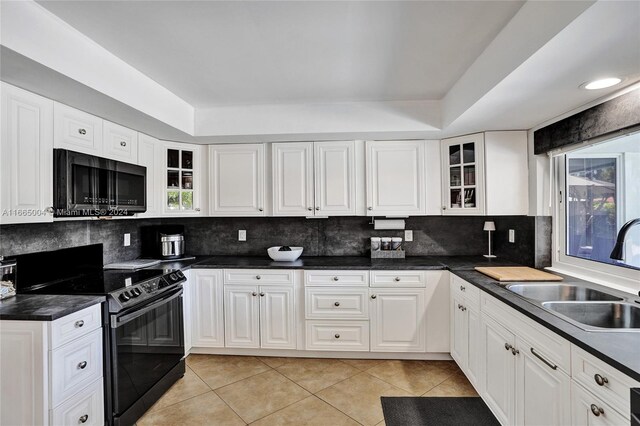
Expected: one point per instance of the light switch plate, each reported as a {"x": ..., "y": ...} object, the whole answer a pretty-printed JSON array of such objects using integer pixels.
[
  {"x": 408, "y": 235},
  {"x": 512, "y": 236},
  {"x": 242, "y": 235},
  {"x": 127, "y": 240}
]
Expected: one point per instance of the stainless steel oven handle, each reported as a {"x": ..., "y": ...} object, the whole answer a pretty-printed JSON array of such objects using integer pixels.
[{"x": 116, "y": 320}]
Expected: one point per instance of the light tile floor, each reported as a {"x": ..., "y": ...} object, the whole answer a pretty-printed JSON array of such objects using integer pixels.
[{"x": 240, "y": 390}]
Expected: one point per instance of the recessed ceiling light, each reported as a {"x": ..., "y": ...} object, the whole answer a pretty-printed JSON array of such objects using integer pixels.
[{"x": 602, "y": 83}]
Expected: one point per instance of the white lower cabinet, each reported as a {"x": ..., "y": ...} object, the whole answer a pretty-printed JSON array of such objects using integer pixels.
[
  {"x": 465, "y": 331},
  {"x": 589, "y": 410},
  {"x": 42, "y": 383},
  {"x": 206, "y": 308},
  {"x": 397, "y": 320},
  {"x": 259, "y": 316}
]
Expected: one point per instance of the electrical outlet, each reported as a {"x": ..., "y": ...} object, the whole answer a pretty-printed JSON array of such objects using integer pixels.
[
  {"x": 408, "y": 235},
  {"x": 127, "y": 240},
  {"x": 512, "y": 235},
  {"x": 242, "y": 235}
]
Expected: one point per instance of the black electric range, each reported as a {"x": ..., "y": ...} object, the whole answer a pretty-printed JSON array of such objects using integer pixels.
[{"x": 142, "y": 320}]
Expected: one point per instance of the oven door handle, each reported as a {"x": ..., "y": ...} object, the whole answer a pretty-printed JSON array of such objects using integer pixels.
[{"x": 116, "y": 321}]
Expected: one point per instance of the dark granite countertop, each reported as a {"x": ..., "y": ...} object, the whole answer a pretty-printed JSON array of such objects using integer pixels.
[
  {"x": 617, "y": 348},
  {"x": 351, "y": 262},
  {"x": 42, "y": 307}
]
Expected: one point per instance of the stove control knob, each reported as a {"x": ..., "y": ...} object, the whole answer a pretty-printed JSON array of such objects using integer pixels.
[
  {"x": 180, "y": 274},
  {"x": 124, "y": 297},
  {"x": 135, "y": 292},
  {"x": 173, "y": 277}
]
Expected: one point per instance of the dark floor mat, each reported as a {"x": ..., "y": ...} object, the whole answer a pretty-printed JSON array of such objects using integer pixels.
[{"x": 436, "y": 411}]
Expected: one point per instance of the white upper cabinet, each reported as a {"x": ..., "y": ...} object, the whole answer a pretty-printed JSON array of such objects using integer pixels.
[
  {"x": 237, "y": 180},
  {"x": 485, "y": 173},
  {"x": 314, "y": 179},
  {"x": 76, "y": 130},
  {"x": 293, "y": 179},
  {"x": 150, "y": 156},
  {"x": 181, "y": 182},
  {"x": 463, "y": 175},
  {"x": 395, "y": 178},
  {"x": 119, "y": 143},
  {"x": 335, "y": 178},
  {"x": 26, "y": 155}
]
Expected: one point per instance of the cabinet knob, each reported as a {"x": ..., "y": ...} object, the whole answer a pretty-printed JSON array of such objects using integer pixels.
[
  {"x": 197, "y": 209},
  {"x": 514, "y": 351},
  {"x": 83, "y": 419},
  {"x": 336, "y": 304},
  {"x": 369, "y": 208},
  {"x": 318, "y": 208},
  {"x": 49, "y": 210},
  {"x": 396, "y": 279},
  {"x": 82, "y": 365},
  {"x": 600, "y": 380},
  {"x": 596, "y": 410},
  {"x": 462, "y": 288},
  {"x": 79, "y": 323},
  {"x": 337, "y": 336},
  {"x": 123, "y": 143},
  {"x": 373, "y": 296},
  {"x": 260, "y": 209},
  {"x": 258, "y": 277},
  {"x": 82, "y": 131},
  {"x": 254, "y": 294},
  {"x": 507, "y": 346},
  {"x": 261, "y": 294},
  {"x": 309, "y": 208},
  {"x": 444, "y": 207},
  {"x": 336, "y": 278}
]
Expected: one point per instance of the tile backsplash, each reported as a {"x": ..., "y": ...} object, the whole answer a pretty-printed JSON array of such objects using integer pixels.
[{"x": 337, "y": 236}]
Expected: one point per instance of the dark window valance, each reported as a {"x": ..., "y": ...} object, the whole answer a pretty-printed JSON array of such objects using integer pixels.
[{"x": 611, "y": 116}]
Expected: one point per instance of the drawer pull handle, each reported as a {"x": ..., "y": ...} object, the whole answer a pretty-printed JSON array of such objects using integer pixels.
[
  {"x": 337, "y": 336},
  {"x": 79, "y": 323},
  {"x": 507, "y": 346},
  {"x": 82, "y": 365},
  {"x": 258, "y": 277},
  {"x": 254, "y": 294},
  {"x": 123, "y": 143},
  {"x": 261, "y": 294},
  {"x": 337, "y": 304},
  {"x": 596, "y": 410},
  {"x": 396, "y": 279},
  {"x": 336, "y": 279},
  {"x": 82, "y": 131},
  {"x": 373, "y": 296},
  {"x": 600, "y": 380},
  {"x": 462, "y": 288},
  {"x": 83, "y": 419},
  {"x": 550, "y": 365}
]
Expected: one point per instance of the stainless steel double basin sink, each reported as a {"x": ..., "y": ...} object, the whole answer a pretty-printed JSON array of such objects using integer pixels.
[{"x": 586, "y": 307}]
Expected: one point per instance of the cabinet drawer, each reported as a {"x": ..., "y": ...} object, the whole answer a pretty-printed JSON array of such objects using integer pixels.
[
  {"x": 336, "y": 303},
  {"x": 334, "y": 278},
  {"x": 464, "y": 289},
  {"x": 545, "y": 343},
  {"x": 585, "y": 404},
  {"x": 120, "y": 143},
  {"x": 76, "y": 130},
  {"x": 398, "y": 279},
  {"x": 614, "y": 390},
  {"x": 74, "y": 366},
  {"x": 85, "y": 408},
  {"x": 75, "y": 325},
  {"x": 337, "y": 335},
  {"x": 258, "y": 276}
]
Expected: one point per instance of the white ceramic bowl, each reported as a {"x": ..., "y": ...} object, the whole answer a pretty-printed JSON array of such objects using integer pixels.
[{"x": 284, "y": 256}]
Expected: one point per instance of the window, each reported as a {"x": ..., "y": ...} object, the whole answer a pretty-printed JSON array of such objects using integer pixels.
[{"x": 598, "y": 192}]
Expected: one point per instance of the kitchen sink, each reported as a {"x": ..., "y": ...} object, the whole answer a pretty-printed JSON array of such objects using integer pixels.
[
  {"x": 545, "y": 292},
  {"x": 606, "y": 316}
]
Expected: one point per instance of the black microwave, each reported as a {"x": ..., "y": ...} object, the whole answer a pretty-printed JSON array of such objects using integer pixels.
[{"x": 86, "y": 185}]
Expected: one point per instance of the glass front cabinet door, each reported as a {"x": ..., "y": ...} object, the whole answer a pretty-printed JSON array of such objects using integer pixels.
[
  {"x": 181, "y": 191},
  {"x": 463, "y": 175}
]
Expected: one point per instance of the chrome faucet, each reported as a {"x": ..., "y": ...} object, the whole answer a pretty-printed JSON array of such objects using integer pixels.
[{"x": 618, "y": 250}]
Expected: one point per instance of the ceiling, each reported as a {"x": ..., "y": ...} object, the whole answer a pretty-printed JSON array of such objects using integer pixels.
[{"x": 255, "y": 52}]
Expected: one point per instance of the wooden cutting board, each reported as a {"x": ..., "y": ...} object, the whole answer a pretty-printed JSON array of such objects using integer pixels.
[{"x": 517, "y": 273}]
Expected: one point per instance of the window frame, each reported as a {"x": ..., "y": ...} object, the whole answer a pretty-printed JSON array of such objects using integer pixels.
[{"x": 622, "y": 277}]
